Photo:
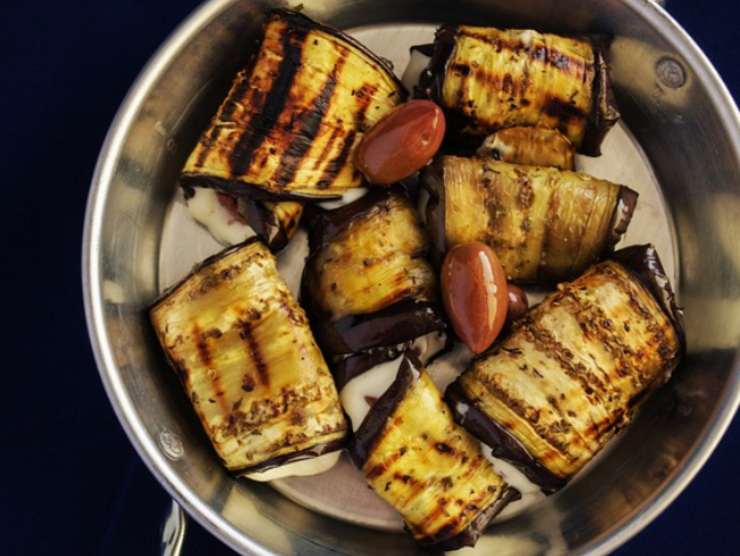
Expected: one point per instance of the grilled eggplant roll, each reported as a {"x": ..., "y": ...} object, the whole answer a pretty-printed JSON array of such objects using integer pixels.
[
  {"x": 488, "y": 79},
  {"x": 533, "y": 146},
  {"x": 231, "y": 219},
  {"x": 246, "y": 357},
  {"x": 574, "y": 369},
  {"x": 366, "y": 282},
  {"x": 294, "y": 116},
  {"x": 544, "y": 224},
  {"x": 428, "y": 468}
]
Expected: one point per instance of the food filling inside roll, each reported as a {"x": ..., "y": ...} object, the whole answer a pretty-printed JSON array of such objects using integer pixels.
[
  {"x": 244, "y": 351},
  {"x": 574, "y": 369}
]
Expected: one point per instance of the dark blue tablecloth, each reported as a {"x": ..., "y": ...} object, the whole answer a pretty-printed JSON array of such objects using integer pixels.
[{"x": 72, "y": 484}]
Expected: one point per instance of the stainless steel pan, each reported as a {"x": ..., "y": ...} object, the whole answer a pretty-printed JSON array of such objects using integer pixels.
[{"x": 677, "y": 110}]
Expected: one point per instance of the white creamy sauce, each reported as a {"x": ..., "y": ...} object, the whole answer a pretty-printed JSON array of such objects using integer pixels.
[
  {"x": 212, "y": 215},
  {"x": 372, "y": 383},
  {"x": 417, "y": 64},
  {"x": 531, "y": 493},
  {"x": 302, "y": 468},
  {"x": 348, "y": 197},
  {"x": 462, "y": 408},
  {"x": 429, "y": 345},
  {"x": 291, "y": 261},
  {"x": 447, "y": 367}
]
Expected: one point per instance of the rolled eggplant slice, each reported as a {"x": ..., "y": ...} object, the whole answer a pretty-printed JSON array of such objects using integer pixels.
[
  {"x": 293, "y": 118},
  {"x": 532, "y": 146},
  {"x": 488, "y": 79},
  {"x": 367, "y": 282},
  {"x": 575, "y": 368},
  {"x": 543, "y": 224},
  {"x": 428, "y": 468},
  {"x": 246, "y": 357},
  {"x": 231, "y": 219}
]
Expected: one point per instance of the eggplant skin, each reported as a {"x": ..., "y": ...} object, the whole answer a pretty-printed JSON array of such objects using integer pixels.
[
  {"x": 533, "y": 146},
  {"x": 575, "y": 368},
  {"x": 292, "y": 119},
  {"x": 489, "y": 79},
  {"x": 245, "y": 354},
  {"x": 543, "y": 224},
  {"x": 428, "y": 468}
]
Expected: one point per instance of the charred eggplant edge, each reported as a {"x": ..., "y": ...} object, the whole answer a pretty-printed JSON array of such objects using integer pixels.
[
  {"x": 644, "y": 262},
  {"x": 324, "y": 225},
  {"x": 604, "y": 111},
  {"x": 432, "y": 180},
  {"x": 400, "y": 322},
  {"x": 300, "y": 455},
  {"x": 624, "y": 209},
  {"x": 501, "y": 442},
  {"x": 602, "y": 117}
]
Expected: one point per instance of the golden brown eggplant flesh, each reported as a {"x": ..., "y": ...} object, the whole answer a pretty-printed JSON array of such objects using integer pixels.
[
  {"x": 488, "y": 79},
  {"x": 575, "y": 368},
  {"x": 274, "y": 223},
  {"x": 245, "y": 354},
  {"x": 428, "y": 468},
  {"x": 293, "y": 117},
  {"x": 367, "y": 282},
  {"x": 543, "y": 224},
  {"x": 533, "y": 146}
]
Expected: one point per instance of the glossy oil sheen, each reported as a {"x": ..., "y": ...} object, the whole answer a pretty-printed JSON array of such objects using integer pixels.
[
  {"x": 401, "y": 143},
  {"x": 475, "y": 294},
  {"x": 138, "y": 236}
]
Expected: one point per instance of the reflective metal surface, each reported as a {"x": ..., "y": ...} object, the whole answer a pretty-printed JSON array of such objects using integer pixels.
[{"x": 690, "y": 132}]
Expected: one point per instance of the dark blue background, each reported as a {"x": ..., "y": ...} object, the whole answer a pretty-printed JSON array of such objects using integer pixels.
[{"x": 72, "y": 484}]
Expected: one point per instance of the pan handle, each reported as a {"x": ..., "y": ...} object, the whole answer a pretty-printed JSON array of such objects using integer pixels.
[{"x": 173, "y": 531}]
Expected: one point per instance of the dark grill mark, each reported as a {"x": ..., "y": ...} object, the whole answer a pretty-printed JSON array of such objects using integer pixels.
[
  {"x": 562, "y": 110},
  {"x": 335, "y": 165},
  {"x": 362, "y": 96},
  {"x": 225, "y": 115},
  {"x": 443, "y": 448},
  {"x": 335, "y": 133},
  {"x": 310, "y": 123},
  {"x": 549, "y": 56},
  {"x": 276, "y": 98},
  {"x": 201, "y": 343},
  {"x": 254, "y": 352}
]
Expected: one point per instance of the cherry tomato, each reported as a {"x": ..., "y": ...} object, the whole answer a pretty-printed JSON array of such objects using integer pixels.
[
  {"x": 401, "y": 143},
  {"x": 475, "y": 294}
]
